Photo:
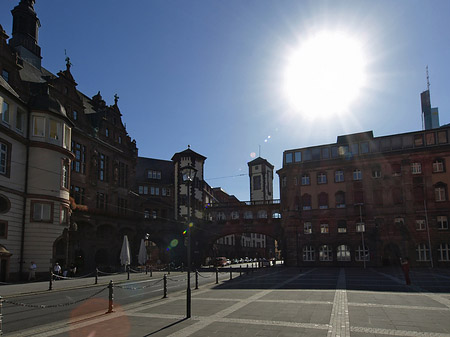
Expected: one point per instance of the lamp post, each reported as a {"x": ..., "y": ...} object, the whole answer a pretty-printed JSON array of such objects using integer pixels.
[
  {"x": 362, "y": 230},
  {"x": 188, "y": 173}
]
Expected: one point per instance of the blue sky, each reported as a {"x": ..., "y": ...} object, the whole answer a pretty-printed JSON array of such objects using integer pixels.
[{"x": 210, "y": 73}]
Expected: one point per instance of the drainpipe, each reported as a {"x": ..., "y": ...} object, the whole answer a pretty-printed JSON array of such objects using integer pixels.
[{"x": 22, "y": 238}]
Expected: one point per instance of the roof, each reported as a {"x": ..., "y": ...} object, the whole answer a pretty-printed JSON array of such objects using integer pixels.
[
  {"x": 260, "y": 160},
  {"x": 188, "y": 153},
  {"x": 165, "y": 166},
  {"x": 8, "y": 88}
]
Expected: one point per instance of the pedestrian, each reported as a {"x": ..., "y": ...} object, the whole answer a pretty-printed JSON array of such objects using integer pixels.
[
  {"x": 57, "y": 270},
  {"x": 73, "y": 270},
  {"x": 32, "y": 271},
  {"x": 405, "y": 268}
]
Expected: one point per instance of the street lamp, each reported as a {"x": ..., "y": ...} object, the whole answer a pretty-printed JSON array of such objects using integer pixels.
[
  {"x": 361, "y": 228},
  {"x": 188, "y": 173}
]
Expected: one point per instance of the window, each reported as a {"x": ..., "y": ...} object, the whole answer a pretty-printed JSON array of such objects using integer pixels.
[
  {"x": 430, "y": 138},
  {"x": 444, "y": 252},
  {"x": 396, "y": 169},
  {"x": 364, "y": 147},
  {"x": 153, "y": 174},
  {"x": 107, "y": 132},
  {"x": 298, "y": 156},
  {"x": 416, "y": 168},
  {"x": 123, "y": 175},
  {"x": 438, "y": 166},
  {"x": 3, "y": 229},
  {"x": 338, "y": 176},
  {"x": 38, "y": 126},
  {"x": 67, "y": 136},
  {"x": 442, "y": 222},
  {"x": 276, "y": 215},
  {"x": 442, "y": 137},
  {"x": 307, "y": 228},
  {"x": 147, "y": 214},
  {"x": 440, "y": 192},
  {"x": 321, "y": 178},
  {"x": 235, "y": 215},
  {"x": 420, "y": 224},
  {"x": 78, "y": 194},
  {"x": 262, "y": 214},
  {"x": 120, "y": 139},
  {"x": 376, "y": 173},
  {"x": 305, "y": 179},
  {"x": 102, "y": 201},
  {"x": 342, "y": 226},
  {"x": 307, "y": 155},
  {"x": 418, "y": 140},
  {"x": 325, "y": 153},
  {"x": 288, "y": 158},
  {"x": 399, "y": 221},
  {"x": 20, "y": 115},
  {"x": 42, "y": 211},
  {"x": 55, "y": 129},
  {"x": 325, "y": 253},
  {"x": 256, "y": 183},
  {"x": 362, "y": 254},
  {"x": 357, "y": 174},
  {"x": 323, "y": 200},
  {"x": 306, "y": 202},
  {"x": 423, "y": 253},
  {"x": 103, "y": 167},
  {"x": 324, "y": 229},
  {"x": 340, "y": 199},
  {"x": 308, "y": 253},
  {"x": 5, "y": 204},
  {"x": 5, "y": 157},
  {"x": 248, "y": 215},
  {"x": 79, "y": 163},
  {"x": 5, "y": 75},
  {"x": 75, "y": 115},
  {"x": 64, "y": 216},
  {"x": 355, "y": 148},
  {"x": 360, "y": 227},
  {"x": 343, "y": 253},
  {"x": 5, "y": 112},
  {"x": 65, "y": 174},
  {"x": 122, "y": 205}
]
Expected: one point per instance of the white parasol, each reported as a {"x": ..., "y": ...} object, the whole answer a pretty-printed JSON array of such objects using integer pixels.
[
  {"x": 125, "y": 256},
  {"x": 142, "y": 257}
]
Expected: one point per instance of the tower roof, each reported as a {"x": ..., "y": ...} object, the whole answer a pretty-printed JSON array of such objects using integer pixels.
[{"x": 258, "y": 161}]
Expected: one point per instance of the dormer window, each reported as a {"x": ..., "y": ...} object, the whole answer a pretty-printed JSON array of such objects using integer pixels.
[{"x": 75, "y": 115}]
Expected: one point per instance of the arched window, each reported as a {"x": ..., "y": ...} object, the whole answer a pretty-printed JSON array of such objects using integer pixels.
[
  {"x": 220, "y": 216},
  {"x": 323, "y": 200},
  {"x": 306, "y": 202},
  {"x": 343, "y": 253},
  {"x": 362, "y": 254},
  {"x": 340, "y": 199},
  {"x": 325, "y": 253},
  {"x": 309, "y": 253},
  {"x": 276, "y": 215}
]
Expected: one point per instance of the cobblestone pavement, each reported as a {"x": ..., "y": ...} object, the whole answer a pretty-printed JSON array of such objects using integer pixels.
[{"x": 328, "y": 302}]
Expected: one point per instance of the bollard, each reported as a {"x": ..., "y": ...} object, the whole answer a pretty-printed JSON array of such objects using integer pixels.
[
  {"x": 231, "y": 273},
  {"x": 111, "y": 297},
  {"x": 240, "y": 270},
  {"x": 146, "y": 270},
  {"x": 128, "y": 271},
  {"x": 50, "y": 285},
  {"x": 151, "y": 271},
  {"x": 165, "y": 286},
  {"x": 217, "y": 276},
  {"x": 96, "y": 276},
  {"x": 196, "y": 279}
]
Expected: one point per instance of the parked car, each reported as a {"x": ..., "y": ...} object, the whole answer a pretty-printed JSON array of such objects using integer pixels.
[{"x": 220, "y": 261}]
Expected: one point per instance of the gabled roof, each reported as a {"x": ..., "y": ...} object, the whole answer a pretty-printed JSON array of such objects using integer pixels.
[
  {"x": 258, "y": 161},
  {"x": 188, "y": 153}
]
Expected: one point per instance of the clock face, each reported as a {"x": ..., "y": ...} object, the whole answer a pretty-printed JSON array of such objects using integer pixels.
[{"x": 430, "y": 139}]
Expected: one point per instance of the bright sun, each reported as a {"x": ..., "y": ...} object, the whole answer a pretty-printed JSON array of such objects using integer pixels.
[{"x": 325, "y": 74}]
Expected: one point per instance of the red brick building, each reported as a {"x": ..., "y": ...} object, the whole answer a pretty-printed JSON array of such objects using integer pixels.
[{"x": 389, "y": 192}]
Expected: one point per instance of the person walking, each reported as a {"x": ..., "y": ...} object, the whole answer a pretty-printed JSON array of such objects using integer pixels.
[
  {"x": 57, "y": 270},
  {"x": 405, "y": 268},
  {"x": 32, "y": 271}
]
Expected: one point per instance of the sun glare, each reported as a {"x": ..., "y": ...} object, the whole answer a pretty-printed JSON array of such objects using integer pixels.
[{"x": 324, "y": 75}]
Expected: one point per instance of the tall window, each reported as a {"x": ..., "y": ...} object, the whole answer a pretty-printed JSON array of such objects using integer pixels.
[
  {"x": 55, "y": 129},
  {"x": 442, "y": 222},
  {"x": 423, "y": 253},
  {"x": 440, "y": 192},
  {"x": 65, "y": 174},
  {"x": 324, "y": 229},
  {"x": 325, "y": 253},
  {"x": 79, "y": 163},
  {"x": 64, "y": 216},
  {"x": 321, "y": 178},
  {"x": 444, "y": 252},
  {"x": 123, "y": 175},
  {"x": 4, "y": 158},
  {"x": 103, "y": 167},
  {"x": 77, "y": 194},
  {"x": 438, "y": 166},
  {"x": 309, "y": 253},
  {"x": 343, "y": 253},
  {"x": 38, "y": 126},
  {"x": 307, "y": 228},
  {"x": 305, "y": 179},
  {"x": 151, "y": 174},
  {"x": 5, "y": 112},
  {"x": 306, "y": 202},
  {"x": 122, "y": 205},
  {"x": 339, "y": 176},
  {"x": 323, "y": 200},
  {"x": 340, "y": 199},
  {"x": 42, "y": 211},
  {"x": 357, "y": 174},
  {"x": 416, "y": 168},
  {"x": 102, "y": 201},
  {"x": 257, "y": 182}
]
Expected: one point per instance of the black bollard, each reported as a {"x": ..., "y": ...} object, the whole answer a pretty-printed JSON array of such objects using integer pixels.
[
  {"x": 50, "y": 285},
  {"x": 111, "y": 297},
  {"x": 151, "y": 271},
  {"x": 165, "y": 286},
  {"x": 240, "y": 270},
  {"x": 231, "y": 273},
  {"x": 217, "y": 276},
  {"x": 128, "y": 271},
  {"x": 146, "y": 270},
  {"x": 196, "y": 279},
  {"x": 96, "y": 275}
]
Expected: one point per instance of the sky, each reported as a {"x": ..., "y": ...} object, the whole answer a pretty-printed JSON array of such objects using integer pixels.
[{"x": 212, "y": 74}]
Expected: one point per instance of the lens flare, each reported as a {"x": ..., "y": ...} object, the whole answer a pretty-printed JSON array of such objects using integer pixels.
[{"x": 173, "y": 243}]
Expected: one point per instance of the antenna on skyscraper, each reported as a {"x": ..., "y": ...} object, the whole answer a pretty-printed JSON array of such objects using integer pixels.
[{"x": 428, "y": 79}]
